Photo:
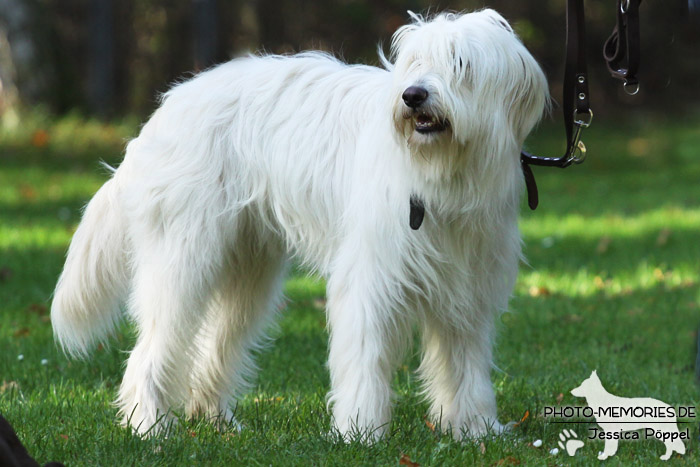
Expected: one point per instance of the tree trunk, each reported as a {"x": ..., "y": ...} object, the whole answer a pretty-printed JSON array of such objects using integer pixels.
[
  {"x": 101, "y": 61},
  {"x": 8, "y": 90},
  {"x": 204, "y": 33},
  {"x": 22, "y": 75}
]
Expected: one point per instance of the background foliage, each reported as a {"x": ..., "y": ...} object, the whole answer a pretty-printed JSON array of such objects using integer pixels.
[{"x": 113, "y": 56}]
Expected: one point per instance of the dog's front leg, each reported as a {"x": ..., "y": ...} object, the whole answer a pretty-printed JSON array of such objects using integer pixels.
[
  {"x": 456, "y": 368},
  {"x": 366, "y": 341}
]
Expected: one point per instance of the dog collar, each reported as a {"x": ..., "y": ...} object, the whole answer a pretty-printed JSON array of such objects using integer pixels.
[{"x": 417, "y": 212}]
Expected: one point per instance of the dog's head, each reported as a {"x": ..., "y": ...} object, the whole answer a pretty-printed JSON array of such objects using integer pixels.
[{"x": 465, "y": 80}]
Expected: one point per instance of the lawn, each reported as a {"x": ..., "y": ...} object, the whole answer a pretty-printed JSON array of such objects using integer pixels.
[{"x": 612, "y": 284}]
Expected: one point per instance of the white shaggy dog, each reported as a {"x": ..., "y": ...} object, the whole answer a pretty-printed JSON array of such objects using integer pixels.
[{"x": 264, "y": 159}]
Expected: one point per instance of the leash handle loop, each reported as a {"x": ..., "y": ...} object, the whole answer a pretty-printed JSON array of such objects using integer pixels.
[{"x": 622, "y": 49}]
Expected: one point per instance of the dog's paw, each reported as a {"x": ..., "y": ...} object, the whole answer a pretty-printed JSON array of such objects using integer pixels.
[
  {"x": 352, "y": 433},
  {"x": 481, "y": 429},
  {"x": 147, "y": 424},
  {"x": 366, "y": 438},
  {"x": 226, "y": 422},
  {"x": 508, "y": 427},
  {"x": 569, "y": 442}
]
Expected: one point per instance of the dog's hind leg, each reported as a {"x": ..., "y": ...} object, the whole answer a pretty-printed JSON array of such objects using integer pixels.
[
  {"x": 456, "y": 368},
  {"x": 243, "y": 307},
  {"x": 173, "y": 277}
]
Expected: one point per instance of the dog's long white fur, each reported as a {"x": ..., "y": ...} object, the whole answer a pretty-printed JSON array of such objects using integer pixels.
[{"x": 264, "y": 159}]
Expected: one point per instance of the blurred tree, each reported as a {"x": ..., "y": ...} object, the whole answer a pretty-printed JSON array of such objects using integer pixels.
[
  {"x": 101, "y": 57},
  {"x": 20, "y": 58},
  {"x": 88, "y": 53},
  {"x": 8, "y": 90},
  {"x": 204, "y": 33}
]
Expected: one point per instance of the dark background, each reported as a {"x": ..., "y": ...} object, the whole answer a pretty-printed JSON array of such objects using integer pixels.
[{"x": 112, "y": 57}]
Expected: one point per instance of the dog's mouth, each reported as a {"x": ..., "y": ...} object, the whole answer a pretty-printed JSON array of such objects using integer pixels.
[{"x": 426, "y": 123}]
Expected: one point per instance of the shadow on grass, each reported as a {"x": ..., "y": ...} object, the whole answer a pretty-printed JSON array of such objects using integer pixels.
[
  {"x": 621, "y": 256},
  {"x": 65, "y": 212}
]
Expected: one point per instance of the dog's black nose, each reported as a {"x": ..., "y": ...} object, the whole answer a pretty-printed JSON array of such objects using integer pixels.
[{"x": 414, "y": 96}]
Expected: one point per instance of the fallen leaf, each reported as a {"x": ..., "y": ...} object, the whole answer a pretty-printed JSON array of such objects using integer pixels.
[
  {"x": 560, "y": 397},
  {"x": 7, "y": 386},
  {"x": 40, "y": 138},
  {"x": 482, "y": 448},
  {"x": 525, "y": 417},
  {"x": 65, "y": 437},
  {"x": 193, "y": 434},
  {"x": 430, "y": 425},
  {"x": 603, "y": 244},
  {"x": 38, "y": 308},
  {"x": 405, "y": 460},
  {"x": 5, "y": 274},
  {"x": 599, "y": 282},
  {"x": 269, "y": 399},
  {"x": 662, "y": 239},
  {"x": 27, "y": 192},
  {"x": 21, "y": 332},
  {"x": 510, "y": 460},
  {"x": 639, "y": 147},
  {"x": 539, "y": 291}
]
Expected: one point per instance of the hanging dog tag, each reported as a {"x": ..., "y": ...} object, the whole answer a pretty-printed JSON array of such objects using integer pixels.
[
  {"x": 532, "y": 196},
  {"x": 417, "y": 212}
]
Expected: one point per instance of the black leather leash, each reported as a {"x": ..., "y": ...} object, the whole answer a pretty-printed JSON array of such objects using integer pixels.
[
  {"x": 575, "y": 104},
  {"x": 622, "y": 56}
]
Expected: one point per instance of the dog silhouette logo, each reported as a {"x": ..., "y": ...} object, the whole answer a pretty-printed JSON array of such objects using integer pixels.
[{"x": 623, "y": 418}]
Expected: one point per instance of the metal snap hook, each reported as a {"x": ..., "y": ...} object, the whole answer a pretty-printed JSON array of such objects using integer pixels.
[
  {"x": 624, "y": 6},
  {"x": 580, "y": 153},
  {"x": 583, "y": 120},
  {"x": 631, "y": 88}
]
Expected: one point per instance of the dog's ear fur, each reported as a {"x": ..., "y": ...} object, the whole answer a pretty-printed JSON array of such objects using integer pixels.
[
  {"x": 529, "y": 91},
  {"x": 530, "y": 98},
  {"x": 497, "y": 19},
  {"x": 415, "y": 17}
]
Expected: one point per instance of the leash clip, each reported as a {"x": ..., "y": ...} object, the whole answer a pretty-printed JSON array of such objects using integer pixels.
[
  {"x": 631, "y": 89},
  {"x": 577, "y": 150},
  {"x": 624, "y": 6}
]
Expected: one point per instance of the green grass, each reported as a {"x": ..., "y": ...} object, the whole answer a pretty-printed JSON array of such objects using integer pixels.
[{"x": 612, "y": 284}]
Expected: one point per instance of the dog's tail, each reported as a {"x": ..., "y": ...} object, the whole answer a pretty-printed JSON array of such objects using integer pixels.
[{"x": 86, "y": 303}]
